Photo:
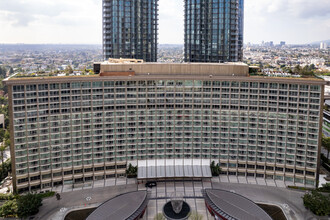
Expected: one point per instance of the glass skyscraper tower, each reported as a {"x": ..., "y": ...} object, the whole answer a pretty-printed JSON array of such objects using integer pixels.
[
  {"x": 240, "y": 29},
  {"x": 130, "y": 29},
  {"x": 213, "y": 30}
]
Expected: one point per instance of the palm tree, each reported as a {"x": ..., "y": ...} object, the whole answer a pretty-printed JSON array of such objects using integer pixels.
[{"x": 215, "y": 169}]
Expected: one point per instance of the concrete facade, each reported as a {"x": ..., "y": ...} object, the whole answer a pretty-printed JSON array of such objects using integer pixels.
[
  {"x": 189, "y": 69},
  {"x": 72, "y": 130}
]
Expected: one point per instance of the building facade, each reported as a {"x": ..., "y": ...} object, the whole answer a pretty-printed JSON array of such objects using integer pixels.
[
  {"x": 323, "y": 46},
  {"x": 72, "y": 130},
  {"x": 240, "y": 29},
  {"x": 130, "y": 29},
  {"x": 213, "y": 30}
]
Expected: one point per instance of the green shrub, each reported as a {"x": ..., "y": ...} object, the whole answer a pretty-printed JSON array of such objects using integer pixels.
[
  {"x": 28, "y": 205},
  {"x": 9, "y": 209},
  {"x": 21, "y": 206},
  {"x": 324, "y": 188},
  {"x": 317, "y": 203},
  {"x": 46, "y": 195},
  {"x": 6, "y": 196},
  {"x": 300, "y": 188}
]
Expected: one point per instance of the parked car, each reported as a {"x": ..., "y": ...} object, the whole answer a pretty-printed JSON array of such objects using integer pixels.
[{"x": 151, "y": 184}]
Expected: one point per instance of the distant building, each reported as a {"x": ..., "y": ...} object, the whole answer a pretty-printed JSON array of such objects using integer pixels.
[
  {"x": 282, "y": 43},
  {"x": 130, "y": 29},
  {"x": 323, "y": 46},
  {"x": 267, "y": 44},
  {"x": 213, "y": 31}
]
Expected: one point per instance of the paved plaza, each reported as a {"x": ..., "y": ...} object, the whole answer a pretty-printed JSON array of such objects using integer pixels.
[
  {"x": 190, "y": 190},
  {"x": 258, "y": 190},
  {"x": 220, "y": 179}
]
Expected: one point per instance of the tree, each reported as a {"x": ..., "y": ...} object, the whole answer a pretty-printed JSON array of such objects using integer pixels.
[
  {"x": 159, "y": 216},
  {"x": 215, "y": 169},
  {"x": 195, "y": 216},
  {"x": 5, "y": 168},
  {"x": 297, "y": 69},
  {"x": 2, "y": 134},
  {"x": 11, "y": 71},
  {"x": 28, "y": 205},
  {"x": 2, "y": 150},
  {"x": 5, "y": 143},
  {"x": 326, "y": 144},
  {"x": 317, "y": 203},
  {"x": 3, "y": 72},
  {"x": 9, "y": 209},
  {"x": 312, "y": 67},
  {"x": 131, "y": 171},
  {"x": 7, "y": 135},
  {"x": 68, "y": 69},
  {"x": 325, "y": 187}
]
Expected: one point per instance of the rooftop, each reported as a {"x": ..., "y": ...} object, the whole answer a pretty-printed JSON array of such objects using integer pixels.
[
  {"x": 125, "y": 206},
  {"x": 161, "y": 71},
  {"x": 200, "y": 69},
  {"x": 174, "y": 168},
  {"x": 234, "y": 206}
]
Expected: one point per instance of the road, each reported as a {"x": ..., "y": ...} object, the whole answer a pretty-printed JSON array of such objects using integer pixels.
[
  {"x": 294, "y": 207},
  {"x": 289, "y": 200},
  {"x": 78, "y": 198}
]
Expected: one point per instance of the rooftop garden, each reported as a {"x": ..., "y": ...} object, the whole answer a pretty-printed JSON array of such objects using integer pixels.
[{"x": 57, "y": 73}]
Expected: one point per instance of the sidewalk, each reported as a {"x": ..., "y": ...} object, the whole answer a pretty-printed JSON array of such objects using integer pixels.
[{"x": 253, "y": 181}]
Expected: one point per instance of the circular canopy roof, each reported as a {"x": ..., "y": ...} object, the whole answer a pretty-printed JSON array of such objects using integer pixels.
[
  {"x": 233, "y": 206},
  {"x": 125, "y": 206}
]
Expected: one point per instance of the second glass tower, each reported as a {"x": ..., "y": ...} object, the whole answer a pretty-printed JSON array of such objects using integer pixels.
[
  {"x": 213, "y": 30},
  {"x": 130, "y": 29}
]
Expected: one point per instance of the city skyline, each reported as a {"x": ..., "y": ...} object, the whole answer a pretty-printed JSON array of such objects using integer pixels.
[{"x": 78, "y": 22}]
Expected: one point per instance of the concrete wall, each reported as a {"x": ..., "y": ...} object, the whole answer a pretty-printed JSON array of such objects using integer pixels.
[{"x": 230, "y": 69}]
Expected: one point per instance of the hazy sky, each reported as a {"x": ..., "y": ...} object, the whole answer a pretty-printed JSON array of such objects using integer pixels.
[{"x": 80, "y": 21}]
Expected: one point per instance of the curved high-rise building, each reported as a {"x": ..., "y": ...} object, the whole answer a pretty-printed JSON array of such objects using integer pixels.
[
  {"x": 78, "y": 129},
  {"x": 130, "y": 29},
  {"x": 213, "y": 30}
]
